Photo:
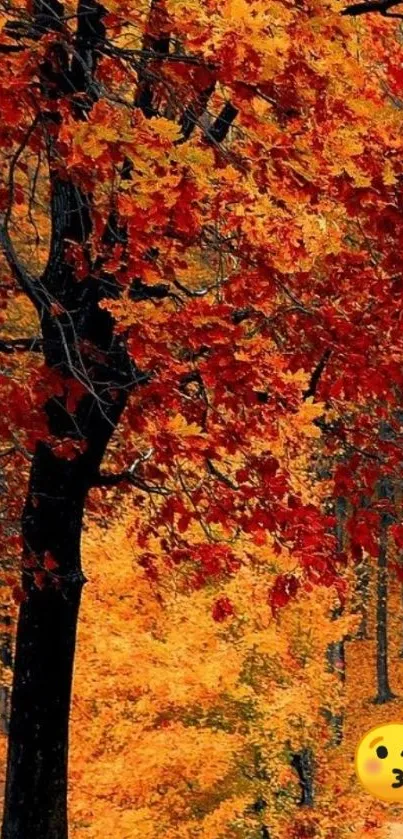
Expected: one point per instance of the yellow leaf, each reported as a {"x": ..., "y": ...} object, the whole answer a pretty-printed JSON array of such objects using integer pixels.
[
  {"x": 178, "y": 425},
  {"x": 166, "y": 128},
  {"x": 389, "y": 177}
]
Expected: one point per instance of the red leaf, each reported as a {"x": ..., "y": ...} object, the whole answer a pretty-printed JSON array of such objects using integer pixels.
[
  {"x": 18, "y": 594},
  {"x": 398, "y": 569},
  {"x": 285, "y": 587},
  {"x": 397, "y": 533},
  {"x": 222, "y": 609},
  {"x": 40, "y": 579},
  {"x": 49, "y": 562}
]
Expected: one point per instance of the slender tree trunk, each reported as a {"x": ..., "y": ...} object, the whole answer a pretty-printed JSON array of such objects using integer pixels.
[
  {"x": 363, "y": 579},
  {"x": 335, "y": 654},
  {"x": 384, "y": 693},
  {"x": 303, "y": 765},
  {"x": 336, "y": 658}
]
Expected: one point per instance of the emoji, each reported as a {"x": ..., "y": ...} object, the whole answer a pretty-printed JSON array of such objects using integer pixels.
[{"x": 379, "y": 762}]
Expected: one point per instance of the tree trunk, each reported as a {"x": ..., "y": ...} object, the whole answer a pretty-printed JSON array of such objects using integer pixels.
[
  {"x": 336, "y": 654},
  {"x": 78, "y": 344},
  {"x": 384, "y": 693},
  {"x": 336, "y": 659},
  {"x": 36, "y": 793},
  {"x": 52, "y": 579},
  {"x": 36, "y": 789},
  {"x": 302, "y": 762},
  {"x": 363, "y": 580}
]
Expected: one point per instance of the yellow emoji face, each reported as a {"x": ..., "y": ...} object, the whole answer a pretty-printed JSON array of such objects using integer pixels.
[{"x": 379, "y": 762}]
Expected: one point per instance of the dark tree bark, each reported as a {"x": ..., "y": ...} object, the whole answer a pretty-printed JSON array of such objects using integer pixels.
[
  {"x": 336, "y": 654},
  {"x": 363, "y": 580},
  {"x": 336, "y": 658},
  {"x": 384, "y": 693},
  {"x": 35, "y": 800},
  {"x": 36, "y": 788},
  {"x": 303, "y": 765}
]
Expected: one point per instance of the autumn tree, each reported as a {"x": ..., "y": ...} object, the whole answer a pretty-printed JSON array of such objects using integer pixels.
[{"x": 190, "y": 202}]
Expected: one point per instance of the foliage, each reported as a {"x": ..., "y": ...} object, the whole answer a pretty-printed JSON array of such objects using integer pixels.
[{"x": 201, "y": 230}]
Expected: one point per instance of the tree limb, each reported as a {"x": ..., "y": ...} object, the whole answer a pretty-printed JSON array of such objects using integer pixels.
[
  {"x": 191, "y": 115},
  {"x": 27, "y": 282},
  {"x": 5, "y": 49},
  {"x": 21, "y": 345},
  {"x": 380, "y": 6},
  {"x": 316, "y": 375},
  {"x": 220, "y": 127},
  {"x": 219, "y": 475},
  {"x": 127, "y": 477}
]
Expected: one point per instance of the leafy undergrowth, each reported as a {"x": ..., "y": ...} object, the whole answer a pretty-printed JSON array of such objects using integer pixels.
[
  {"x": 184, "y": 726},
  {"x": 186, "y": 713}
]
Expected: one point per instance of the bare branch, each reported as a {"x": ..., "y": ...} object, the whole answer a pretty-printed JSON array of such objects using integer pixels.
[
  {"x": 220, "y": 127},
  {"x": 5, "y": 49},
  {"x": 27, "y": 282},
  {"x": 380, "y": 6},
  {"x": 316, "y": 375},
  {"x": 131, "y": 477},
  {"x": 128, "y": 477},
  {"x": 21, "y": 345},
  {"x": 220, "y": 476}
]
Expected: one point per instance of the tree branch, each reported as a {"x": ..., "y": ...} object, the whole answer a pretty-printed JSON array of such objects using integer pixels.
[
  {"x": 13, "y": 345},
  {"x": 220, "y": 127},
  {"x": 127, "y": 477},
  {"x": 316, "y": 375},
  {"x": 219, "y": 475},
  {"x": 27, "y": 282},
  {"x": 142, "y": 291},
  {"x": 156, "y": 42},
  {"x": 380, "y": 6},
  {"x": 5, "y": 49},
  {"x": 192, "y": 114}
]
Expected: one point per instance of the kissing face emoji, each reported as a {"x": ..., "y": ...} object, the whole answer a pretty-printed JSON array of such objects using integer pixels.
[{"x": 379, "y": 762}]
